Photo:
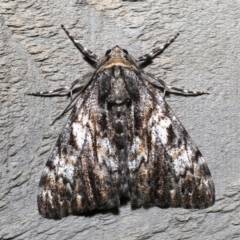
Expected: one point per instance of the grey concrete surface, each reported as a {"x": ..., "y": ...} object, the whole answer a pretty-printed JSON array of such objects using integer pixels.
[{"x": 35, "y": 55}]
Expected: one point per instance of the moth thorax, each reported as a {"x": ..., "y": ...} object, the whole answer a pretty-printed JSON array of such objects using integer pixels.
[
  {"x": 116, "y": 71},
  {"x": 118, "y": 93}
]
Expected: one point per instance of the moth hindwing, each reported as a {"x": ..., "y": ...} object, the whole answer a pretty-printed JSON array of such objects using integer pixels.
[{"x": 122, "y": 140}]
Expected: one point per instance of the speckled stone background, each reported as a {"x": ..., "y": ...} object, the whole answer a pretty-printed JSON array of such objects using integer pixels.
[{"x": 36, "y": 54}]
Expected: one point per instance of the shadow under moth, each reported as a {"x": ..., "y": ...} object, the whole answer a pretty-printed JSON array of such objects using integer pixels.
[{"x": 122, "y": 140}]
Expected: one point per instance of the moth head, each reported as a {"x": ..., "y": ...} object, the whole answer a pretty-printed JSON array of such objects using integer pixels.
[
  {"x": 116, "y": 56},
  {"x": 116, "y": 52}
]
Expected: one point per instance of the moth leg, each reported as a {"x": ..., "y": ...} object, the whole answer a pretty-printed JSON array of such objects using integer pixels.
[
  {"x": 87, "y": 53},
  {"x": 68, "y": 89},
  {"x": 186, "y": 91},
  {"x": 52, "y": 92},
  {"x": 156, "y": 51},
  {"x": 169, "y": 88},
  {"x": 69, "y": 107}
]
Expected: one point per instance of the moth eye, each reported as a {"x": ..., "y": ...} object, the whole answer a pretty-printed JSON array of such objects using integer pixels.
[
  {"x": 107, "y": 52},
  {"x": 125, "y": 51}
]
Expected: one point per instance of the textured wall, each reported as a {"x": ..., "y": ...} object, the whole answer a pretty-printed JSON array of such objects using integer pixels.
[{"x": 35, "y": 54}]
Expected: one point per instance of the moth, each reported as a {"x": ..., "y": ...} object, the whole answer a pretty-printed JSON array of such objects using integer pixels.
[{"x": 122, "y": 140}]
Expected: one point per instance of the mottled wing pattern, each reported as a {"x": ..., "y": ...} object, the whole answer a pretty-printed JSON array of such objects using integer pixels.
[
  {"x": 122, "y": 139},
  {"x": 166, "y": 168},
  {"x": 81, "y": 173}
]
